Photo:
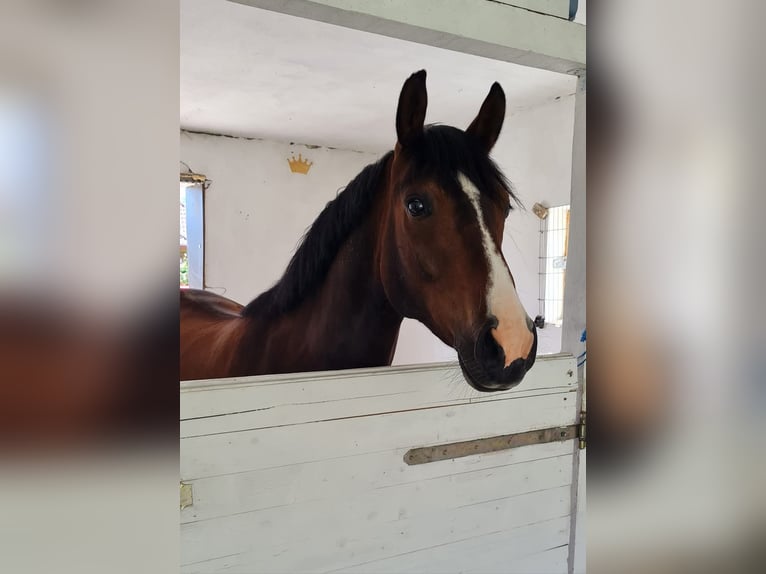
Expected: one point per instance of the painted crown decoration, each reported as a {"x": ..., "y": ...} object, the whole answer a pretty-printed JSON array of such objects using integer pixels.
[{"x": 299, "y": 165}]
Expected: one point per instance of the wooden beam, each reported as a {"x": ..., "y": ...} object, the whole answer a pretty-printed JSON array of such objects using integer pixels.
[
  {"x": 574, "y": 295},
  {"x": 480, "y": 27},
  {"x": 574, "y": 312},
  {"x": 193, "y": 178},
  {"x": 558, "y": 8}
]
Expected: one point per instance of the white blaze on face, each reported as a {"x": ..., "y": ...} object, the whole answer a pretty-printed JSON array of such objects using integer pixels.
[{"x": 512, "y": 333}]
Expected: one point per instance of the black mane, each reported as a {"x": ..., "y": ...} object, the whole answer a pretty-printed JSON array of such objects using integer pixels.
[
  {"x": 440, "y": 150},
  {"x": 321, "y": 243}
]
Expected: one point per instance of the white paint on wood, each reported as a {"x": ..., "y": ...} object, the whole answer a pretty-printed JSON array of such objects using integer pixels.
[
  {"x": 574, "y": 322},
  {"x": 342, "y": 437},
  {"x": 342, "y": 539},
  {"x": 552, "y": 560},
  {"x": 287, "y": 490},
  {"x": 574, "y": 294},
  {"x": 498, "y": 552},
  {"x": 258, "y": 402},
  {"x": 579, "y": 550},
  {"x": 221, "y": 495},
  {"x": 558, "y": 8},
  {"x": 283, "y": 78},
  {"x": 489, "y": 29}
]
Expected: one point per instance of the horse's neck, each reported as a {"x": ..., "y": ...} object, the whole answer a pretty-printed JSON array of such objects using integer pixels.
[
  {"x": 351, "y": 314},
  {"x": 348, "y": 322}
]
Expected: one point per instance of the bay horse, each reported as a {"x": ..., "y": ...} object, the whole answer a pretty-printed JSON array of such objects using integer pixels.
[{"x": 416, "y": 234}]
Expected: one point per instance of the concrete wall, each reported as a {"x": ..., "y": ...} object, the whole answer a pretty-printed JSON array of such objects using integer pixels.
[{"x": 256, "y": 209}]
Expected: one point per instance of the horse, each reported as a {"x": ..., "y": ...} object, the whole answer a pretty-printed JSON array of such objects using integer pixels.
[{"x": 416, "y": 234}]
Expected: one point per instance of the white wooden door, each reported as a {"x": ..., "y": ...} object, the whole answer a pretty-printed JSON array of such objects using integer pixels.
[{"x": 307, "y": 473}]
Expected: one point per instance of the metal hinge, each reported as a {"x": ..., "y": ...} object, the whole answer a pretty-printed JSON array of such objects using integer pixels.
[
  {"x": 452, "y": 450},
  {"x": 581, "y": 429}
]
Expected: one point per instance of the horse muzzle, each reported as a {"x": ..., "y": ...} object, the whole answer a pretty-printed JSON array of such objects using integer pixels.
[{"x": 486, "y": 367}]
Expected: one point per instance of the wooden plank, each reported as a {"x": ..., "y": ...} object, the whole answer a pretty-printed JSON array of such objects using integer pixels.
[
  {"x": 499, "y": 551},
  {"x": 374, "y": 509},
  {"x": 222, "y": 495},
  {"x": 325, "y": 411},
  {"x": 286, "y": 399},
  {"x": 489, "y": 29},
  {"x": 282, "y": 488},
  {"x": 217, "y": 564},
  {"x": 343, "y": 542},
  {"x": 550, "y": 371},
  {"x": 550, "y": 561},
  {"x": 510, "y": 551},
  {"x": 557, "y": 8},
  {"x": 575, "y": 294},
  {"x": 394, "y": 432},
  {"x": 248, "y": 492},
  {"x": 578, "y": 537}
]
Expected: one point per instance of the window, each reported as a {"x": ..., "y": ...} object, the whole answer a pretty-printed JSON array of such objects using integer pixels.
[
  {"x": 191, "y": 224},
  {"x": 184, "y": 240},
  {"x": 554, "y": 240}
]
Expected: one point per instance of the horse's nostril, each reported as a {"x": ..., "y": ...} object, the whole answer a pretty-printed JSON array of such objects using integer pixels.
[
  {"x": 491, "y": 358},
  {"x": 515, "y": 371},
  {"x": 487, "y": 351},
  {"x": 492, "y": 349}
]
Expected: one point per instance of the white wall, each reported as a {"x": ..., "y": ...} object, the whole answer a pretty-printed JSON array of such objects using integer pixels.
[{"x": 256, "y": 209}]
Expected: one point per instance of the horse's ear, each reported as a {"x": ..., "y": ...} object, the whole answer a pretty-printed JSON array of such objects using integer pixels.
[
  {"x": 487, "y": 125},
  {"x": 411, "y": 112}
]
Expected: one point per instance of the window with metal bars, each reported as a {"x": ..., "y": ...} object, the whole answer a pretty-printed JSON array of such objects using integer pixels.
[{"x": 554, "y": 239}]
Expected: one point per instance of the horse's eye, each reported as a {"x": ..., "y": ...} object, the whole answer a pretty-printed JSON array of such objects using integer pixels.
[
  {"x": 507, "y": 211},
  {"x": 416, "y": 207}
]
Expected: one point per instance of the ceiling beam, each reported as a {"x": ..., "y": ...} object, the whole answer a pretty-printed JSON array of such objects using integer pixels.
[
  {"x": 480, "y": 27},
  {"x": 559, "y": 8}
]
